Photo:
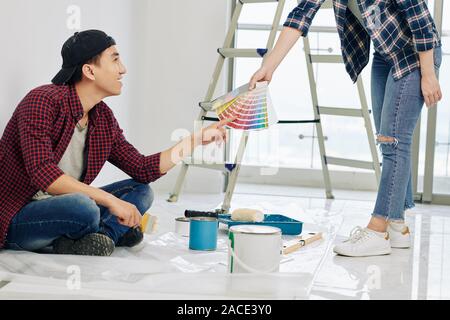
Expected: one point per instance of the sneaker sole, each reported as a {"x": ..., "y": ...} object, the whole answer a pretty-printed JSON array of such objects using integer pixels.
[
  {"x": 376, "y": 253},
  {"x": 401, "y": 245},
  {"x": 93, "y": 244}
]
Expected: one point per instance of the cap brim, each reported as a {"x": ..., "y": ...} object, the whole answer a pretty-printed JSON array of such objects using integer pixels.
[{"x": 63, "y": 75}]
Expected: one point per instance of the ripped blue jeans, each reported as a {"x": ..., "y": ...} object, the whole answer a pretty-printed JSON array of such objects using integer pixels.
[{"x": 396, "y": 105}]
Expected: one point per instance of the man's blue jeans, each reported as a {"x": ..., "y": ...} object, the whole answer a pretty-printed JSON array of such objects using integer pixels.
[
  {"x": 396, "y": 108},
  {"x": 74, "y": 215}
]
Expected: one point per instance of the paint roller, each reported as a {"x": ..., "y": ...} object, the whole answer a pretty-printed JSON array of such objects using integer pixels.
[
  {"x": 247, "y": 214},
  {"x": 240, "y": 214}
]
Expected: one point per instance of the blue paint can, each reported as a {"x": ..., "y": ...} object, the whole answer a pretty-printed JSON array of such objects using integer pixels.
[{"x": 203, "y": 233}]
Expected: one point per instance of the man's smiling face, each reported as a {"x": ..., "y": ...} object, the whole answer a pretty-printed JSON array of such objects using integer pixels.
[{"x": 108, "y": 72}]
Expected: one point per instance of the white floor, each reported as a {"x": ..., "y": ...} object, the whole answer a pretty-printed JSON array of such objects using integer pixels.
[
  {"x": 422, "y": 272},
  {"x": 311, "y": 273}
]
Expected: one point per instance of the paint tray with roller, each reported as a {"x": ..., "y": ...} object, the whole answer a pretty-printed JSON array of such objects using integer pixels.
[{"x": 287, "y": 225}]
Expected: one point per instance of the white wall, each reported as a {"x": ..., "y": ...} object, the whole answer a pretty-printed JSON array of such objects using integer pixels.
[
  {"x": 180, "y": 55},
  {"x": 168, "y": 47}
]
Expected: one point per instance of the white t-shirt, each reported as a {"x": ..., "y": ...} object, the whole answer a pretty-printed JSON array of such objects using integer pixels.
[{"x": 72, "y": 162}]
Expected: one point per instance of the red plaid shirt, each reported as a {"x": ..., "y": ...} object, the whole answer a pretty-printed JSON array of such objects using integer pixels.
[{"x": 37, "y": 136}]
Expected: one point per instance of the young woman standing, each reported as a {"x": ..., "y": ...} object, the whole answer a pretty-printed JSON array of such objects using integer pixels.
[{"x": 407, "y": 57}]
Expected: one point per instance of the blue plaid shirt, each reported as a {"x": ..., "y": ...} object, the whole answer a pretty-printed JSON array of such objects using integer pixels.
[{"x": 399, "y": 29}]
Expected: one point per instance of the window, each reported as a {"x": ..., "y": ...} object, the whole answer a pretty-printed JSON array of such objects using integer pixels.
[
  {"x": 297, "y": 143},
  {"x": 345, "y": 137}
]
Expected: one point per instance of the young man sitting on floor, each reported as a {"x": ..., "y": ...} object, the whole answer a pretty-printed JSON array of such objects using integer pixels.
[{"x": 55, "y": 145}]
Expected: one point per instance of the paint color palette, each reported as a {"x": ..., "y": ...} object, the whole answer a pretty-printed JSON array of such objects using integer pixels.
[{"x": 253, "y": 109}]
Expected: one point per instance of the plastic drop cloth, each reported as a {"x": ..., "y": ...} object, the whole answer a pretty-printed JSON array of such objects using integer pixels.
[{"x": 163, "y": 267}]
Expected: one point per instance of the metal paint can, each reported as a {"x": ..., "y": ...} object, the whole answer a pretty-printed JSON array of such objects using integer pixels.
[
  {"x": 254, "y": 249},
  {"x": 182, "y": 226},
  {"x": 203, "y": 233}
]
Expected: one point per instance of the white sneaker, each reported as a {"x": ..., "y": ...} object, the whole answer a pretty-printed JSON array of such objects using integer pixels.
[
  {"x": 364, "y": 242},
  {"x": 399, "y": 235}
]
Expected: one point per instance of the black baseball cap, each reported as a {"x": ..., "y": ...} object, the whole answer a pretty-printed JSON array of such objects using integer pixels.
[{"x": 78, "y": 49}]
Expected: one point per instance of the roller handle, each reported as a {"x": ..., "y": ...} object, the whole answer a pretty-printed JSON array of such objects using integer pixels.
[
  {"x": 194, "y": 213},
  {"x": 301, "y": 242}
]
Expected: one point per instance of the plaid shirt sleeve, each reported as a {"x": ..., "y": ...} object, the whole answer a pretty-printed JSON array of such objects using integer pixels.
[
  {"x": 419, "y": 21},
  {"x": 301, "y": 17},
  {"x": 34, "y": 127},
  {"x": 126, "y": 157}
]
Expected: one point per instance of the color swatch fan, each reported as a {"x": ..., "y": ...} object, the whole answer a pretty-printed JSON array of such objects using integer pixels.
[{"x": 253, "y": 109}]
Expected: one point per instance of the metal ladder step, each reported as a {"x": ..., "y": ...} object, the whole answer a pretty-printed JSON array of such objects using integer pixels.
[
  {"x": 207, "y": 106},
  {"x": 257, "y": 1},
  {"x": 326, "y": 58},
  {"x": 350, "y": 163},
  {"x": 338, "y": 111},
  {"x": 268, "y": 27},
  {"x": 242, "y": 53},
  {"x": 214, "y": 166},
  {"x": 325, "y": 5}
]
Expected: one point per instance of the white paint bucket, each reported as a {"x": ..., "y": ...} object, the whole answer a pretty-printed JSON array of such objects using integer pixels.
[
  {"x": 182, "y": 226},
  {"x": 254, "y": 249}
]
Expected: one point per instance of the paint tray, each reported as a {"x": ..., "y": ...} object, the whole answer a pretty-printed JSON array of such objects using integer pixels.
[{"x": 287, "y": 225}]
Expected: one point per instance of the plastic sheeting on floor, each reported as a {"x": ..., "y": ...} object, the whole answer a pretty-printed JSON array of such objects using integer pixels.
[{"x": 163, "y": 267}]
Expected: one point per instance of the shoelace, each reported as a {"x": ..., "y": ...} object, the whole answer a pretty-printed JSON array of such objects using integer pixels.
[{"x": 358, "y": 234}]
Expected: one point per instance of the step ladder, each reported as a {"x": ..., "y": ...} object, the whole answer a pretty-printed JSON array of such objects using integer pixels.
[
  {"x": 227, "y": 51},
  {"x": 319, "y": 110}
]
